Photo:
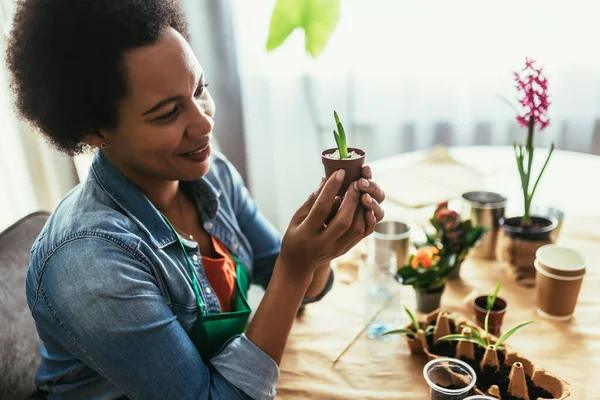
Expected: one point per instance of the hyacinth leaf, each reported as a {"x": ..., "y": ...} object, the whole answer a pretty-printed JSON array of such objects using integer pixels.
[
  {"x": 512, "y": 332},
  {"x": 337, "y": 140},
  {"x": 412, "y": 318},
  {"x": 342, "y": 147},
  {"x": 542, "y": 171},
  {"x": 492, "y": 299},
  {"x": 462, "y": 338},
  {"x": 337, "y": 118},
  {"x": 401, "y": 332}
]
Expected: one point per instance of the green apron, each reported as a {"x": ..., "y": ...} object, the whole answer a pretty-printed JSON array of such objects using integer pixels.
[{"x": 212, "y": 331}]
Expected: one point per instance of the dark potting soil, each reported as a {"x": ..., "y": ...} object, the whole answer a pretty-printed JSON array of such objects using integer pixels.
[
  {"x": 536, "y": 223},
  {"x": 489, "y": 377},
  {"x": 444, "y": 348}
]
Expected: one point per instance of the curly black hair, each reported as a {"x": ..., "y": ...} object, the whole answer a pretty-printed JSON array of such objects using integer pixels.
[{"x": 65, "y": 58}]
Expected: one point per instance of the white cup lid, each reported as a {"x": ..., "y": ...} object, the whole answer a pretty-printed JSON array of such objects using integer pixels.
[{"x": 561, "y": 258}]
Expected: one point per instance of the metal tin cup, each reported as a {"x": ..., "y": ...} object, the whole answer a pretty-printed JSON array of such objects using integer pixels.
[
  {"x": 393, "y": 235},
  {"x": 485, "y": 208}
]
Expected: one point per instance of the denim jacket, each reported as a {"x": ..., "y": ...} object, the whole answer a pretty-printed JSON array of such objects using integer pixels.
[{"x": 112, "y": 299}]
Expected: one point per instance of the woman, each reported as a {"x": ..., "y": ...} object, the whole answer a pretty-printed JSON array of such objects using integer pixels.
[{"x": 138, "y": 282}]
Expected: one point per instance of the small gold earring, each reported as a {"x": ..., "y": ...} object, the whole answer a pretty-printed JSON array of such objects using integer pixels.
[{"x": 103, "y": 145}]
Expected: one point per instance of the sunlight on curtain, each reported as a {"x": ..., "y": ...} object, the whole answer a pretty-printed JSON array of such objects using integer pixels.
[
  {"x": 33, "y": 176},
  {"x": 406, "y": 75}
]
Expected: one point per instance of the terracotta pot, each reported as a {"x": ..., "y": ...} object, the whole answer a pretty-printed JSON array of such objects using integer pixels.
[
  {"x": 518, "y": 245},
  {"x": 429, "y": 301},
  {"x": 353, "y": 167},
  {"x": 496, "y": 315}
]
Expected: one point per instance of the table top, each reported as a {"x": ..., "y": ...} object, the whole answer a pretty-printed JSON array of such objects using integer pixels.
[{"x": 373, "y": 369}]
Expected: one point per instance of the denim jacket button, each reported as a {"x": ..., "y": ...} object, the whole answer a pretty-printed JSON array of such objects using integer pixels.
[
  {"x": 235, "y": 246},
  {"x": 195, "y": 257},
  {"x": 208, "y": 291},
  {"x": 209, "y": 226}
]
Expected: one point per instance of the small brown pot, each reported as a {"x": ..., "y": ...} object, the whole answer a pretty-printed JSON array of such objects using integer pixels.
[
  {"x": 353, "y": 167},
  {"x": 496, "y": 315}
]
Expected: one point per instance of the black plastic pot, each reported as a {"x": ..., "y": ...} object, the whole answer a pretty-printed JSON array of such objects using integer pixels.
[{"x": 540, "y": 231}]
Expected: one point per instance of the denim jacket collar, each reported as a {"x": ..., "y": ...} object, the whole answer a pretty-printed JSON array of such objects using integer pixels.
[{"x": 137, "y": 206}]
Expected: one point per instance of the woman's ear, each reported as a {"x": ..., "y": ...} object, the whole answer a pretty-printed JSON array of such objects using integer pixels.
[{"x": 97, "y": 139}]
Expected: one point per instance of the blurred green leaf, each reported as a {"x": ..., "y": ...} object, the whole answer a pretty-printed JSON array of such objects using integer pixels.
[
  {"x": 401, "y": 332},
  {"x": 476, "y": 334},
  {"x": 413, "y": 319},
  {"x": 492, "y": 299},
  {"x": 318, "y": 19},
  {"x": 462, "y": 338}
]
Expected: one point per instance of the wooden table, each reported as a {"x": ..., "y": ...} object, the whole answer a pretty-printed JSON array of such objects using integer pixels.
[{"x": 371, "y": 369}]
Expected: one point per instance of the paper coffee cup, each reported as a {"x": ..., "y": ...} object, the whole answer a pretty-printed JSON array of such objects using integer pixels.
[{"x": 556, "y": 295}]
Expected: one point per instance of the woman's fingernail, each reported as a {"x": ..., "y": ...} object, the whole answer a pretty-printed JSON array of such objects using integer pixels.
[
  {"x": 364, "y": 183},
  {"x": 355, "y": 186},
  {"x": 368, "y": 198},
  {"x": 368, "y": 171},
  {"x": 340, "y": 175}
]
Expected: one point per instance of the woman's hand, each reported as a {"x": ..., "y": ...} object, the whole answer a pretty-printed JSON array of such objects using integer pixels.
[
  {"x": 308, "y": 243},
  {"x": 373, "y": 195}
]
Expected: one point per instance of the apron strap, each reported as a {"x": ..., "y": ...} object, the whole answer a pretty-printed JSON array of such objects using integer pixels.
[{"x": 187, "y": 260}]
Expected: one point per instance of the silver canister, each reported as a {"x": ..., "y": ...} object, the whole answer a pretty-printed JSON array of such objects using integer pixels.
[
  {"x": 485, "y": 208},
  {"x": 392, "y": 235}
]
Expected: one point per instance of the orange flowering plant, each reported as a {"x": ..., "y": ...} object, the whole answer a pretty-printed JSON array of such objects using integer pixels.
[
  {"x": 426, "y": 270},
  {"x": 453, "y": 235}
]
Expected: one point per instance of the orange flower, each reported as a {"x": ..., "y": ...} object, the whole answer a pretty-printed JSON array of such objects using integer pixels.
[{"x": 425, "y": 257}]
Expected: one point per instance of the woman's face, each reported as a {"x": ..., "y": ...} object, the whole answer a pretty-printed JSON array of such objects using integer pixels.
[{"x": 165, "y": 121}]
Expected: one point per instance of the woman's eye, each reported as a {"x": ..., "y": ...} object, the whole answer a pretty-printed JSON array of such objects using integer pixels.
[
  {"x": 200, "y": 90},
  {"x": 168, "y": 115}
]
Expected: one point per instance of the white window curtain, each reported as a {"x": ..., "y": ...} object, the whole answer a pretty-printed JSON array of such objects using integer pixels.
[
  {"x": 33, "y": 176},
  {"x": 406, "y": 75}
]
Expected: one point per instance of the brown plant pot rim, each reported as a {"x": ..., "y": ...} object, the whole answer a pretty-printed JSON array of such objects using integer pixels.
[
  {"x": 484, "y": 310},
  {"x": 508, "y": 224},
  {"x": 332, "y": 150}
]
